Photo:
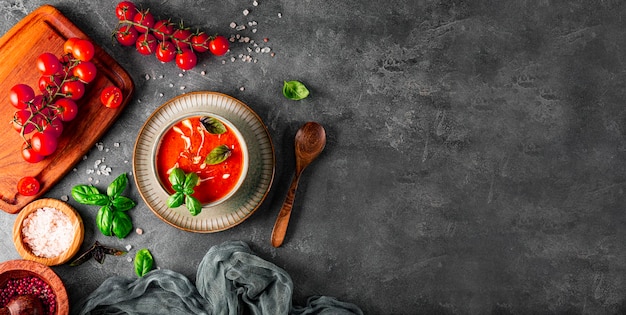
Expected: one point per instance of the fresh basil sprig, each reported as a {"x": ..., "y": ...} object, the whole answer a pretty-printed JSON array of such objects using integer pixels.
[
  {"x": 218, "y": 155},
  {"x": 212, "y": 125},
  {"x": 295, "y": 90},
  {"x": 183, "y": 185},
  {"x": 112, "y": 218},
  {"x": 143, "y": 262}
]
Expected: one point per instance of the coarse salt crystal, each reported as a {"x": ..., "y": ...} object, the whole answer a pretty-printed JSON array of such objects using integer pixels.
[
  {"x": 128, "y": 247},
  {"x": 139, "y": 231},
  {"x": 48, "y": 232},
  {"x": 233, "y": 24},
  {"x": 255, "y": 3}
]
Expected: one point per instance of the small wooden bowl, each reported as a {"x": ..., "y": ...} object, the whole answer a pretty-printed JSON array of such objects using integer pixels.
[
  {"x": 16, "y": 269},
  {"x": 77, "y": 223}
]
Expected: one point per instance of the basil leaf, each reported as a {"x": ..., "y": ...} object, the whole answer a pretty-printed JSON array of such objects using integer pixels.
[
  {"x": 177, "y": 177},
  {"x": 104, "y": 220},
  {"x": 122, "y": 225},
  {"x": 193, "y": 205},
  {"x": 117, "y": 186},
  {"x": 218, "y": 155},
  {"x": 212, "y": 125},
  {"x": 143, "y": 262},
  {"x": 123, "y": 203},
  {"x": 175, "y": 200},
  {"x": 191, "y": 180},
  {"x": 295, "y": 90},
  {"x": 89, "y": 195}
]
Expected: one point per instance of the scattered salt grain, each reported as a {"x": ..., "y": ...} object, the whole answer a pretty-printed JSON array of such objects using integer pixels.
[
  {"x": 160, "y": 94},
  {"x": 246, "y": 12},
  {"x": 240, "y": 27},
  {"x": 182, "y": 87},
  {"x": 242, "y": 88},
  {"x": 128, "y": 247},
  {"x": 202, "y": 72},
  {"x": 171, "y": 85},
  {"x": 116, "y": 144},
  {"x": 48, "y": 232},
  {"x": 100, "y": 146},
  {"x": 147, "y": 77},
  {"x": 280, "y": 15},
  {"x": 266, "y": 50},
  {"x": 233, "y": 24},
  {"x": 129, "y": 259},
  {"x": 181, "y": 74},
  {"x": 139, "y": 231},
  {"x": 255, "y": 3},
  {"x": 65, "y": 198}
]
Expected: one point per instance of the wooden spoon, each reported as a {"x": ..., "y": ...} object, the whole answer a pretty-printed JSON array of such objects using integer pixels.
[
  {"x": 309, "y": 143},
  {"x": 23, "y": 305}
]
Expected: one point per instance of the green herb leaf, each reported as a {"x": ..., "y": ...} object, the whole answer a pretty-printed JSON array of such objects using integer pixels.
[
  {"x": 122, "y": 203},
  {"x": 143, "y": 262},
  {"x": 191, "y": 180},
  {"x": 104, "y": 220},
  {"x": 193, "y": 205},
  {"x": 218, "y": 155},
  {"x": 118, "y": 186},
  {"x": 295, "y": 90},
  {"x": 122, "y": 225},
  {"x": 177, "y": 178},
  {"x": 212, "y": 125},
  {"x": 175, "y": 200},
  {"x": 89, "y": 195}
]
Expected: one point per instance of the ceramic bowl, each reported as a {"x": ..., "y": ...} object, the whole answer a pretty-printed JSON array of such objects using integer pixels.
[
  {"x": 17, "y": 269},
  {"x": 77, "y": 237}
]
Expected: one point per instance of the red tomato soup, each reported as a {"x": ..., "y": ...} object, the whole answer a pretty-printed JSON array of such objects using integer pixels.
[{"x": 186, "y": 145}]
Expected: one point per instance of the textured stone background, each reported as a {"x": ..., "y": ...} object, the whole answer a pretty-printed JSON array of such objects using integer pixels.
[{"x": 475, "y": 159}]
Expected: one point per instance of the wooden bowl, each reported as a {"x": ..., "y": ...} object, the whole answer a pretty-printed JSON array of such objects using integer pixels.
[
  {"x": 16, "y": 269},
  {"x": 77, "y": 223}
]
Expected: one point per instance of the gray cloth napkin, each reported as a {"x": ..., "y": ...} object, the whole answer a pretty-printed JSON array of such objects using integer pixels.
[{"x": 231, "y": 279}]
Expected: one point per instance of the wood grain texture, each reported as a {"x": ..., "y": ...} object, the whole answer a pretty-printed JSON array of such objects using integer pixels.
[
  {"x": 16, "y": 269},
  {"x": 45, "y": 30}
]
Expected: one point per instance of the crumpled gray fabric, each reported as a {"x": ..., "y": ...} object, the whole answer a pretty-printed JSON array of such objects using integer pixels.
[{"x": 231, "y": 280}]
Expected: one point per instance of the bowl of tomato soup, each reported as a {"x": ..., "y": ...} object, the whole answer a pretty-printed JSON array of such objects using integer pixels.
[{"x": 220, "y": 159}]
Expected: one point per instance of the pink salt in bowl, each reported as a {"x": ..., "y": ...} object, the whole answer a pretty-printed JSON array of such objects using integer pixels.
[{"x": 48, "y": 231}]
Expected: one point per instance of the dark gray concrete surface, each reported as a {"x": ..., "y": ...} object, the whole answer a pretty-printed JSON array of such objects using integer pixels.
[{"x": 475, "y": 155}]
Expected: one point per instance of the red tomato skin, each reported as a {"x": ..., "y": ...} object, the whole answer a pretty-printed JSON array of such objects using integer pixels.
[
  {"x": 68, "y": 46},
  {"x": 163, "y": 29},
  {"x": 44, "y": 144},
  {"x": 28, "y": 186},
  {"x": 85, "y": 71},
  {"x": 29, "y": 155},
  {"x": 146, "y": 44},
  {"x": 48, "y": 64},
  {"x": 126, "y": 35},
  {"x": 20, "y": 95},
  {"x": 182, "y": 38},
  {"x": 200, "y": 42},
  {"x": 145, "y": 21},
  {"x": 66, "y": 109},
  {"x": 50, "y": 84},
  {"x": 219, "y": 45},
  {"x": 186, "y": 60},
  {"x": 125, "y": 11},
  {"x": 111, "y": 97},
  {"x": 73, "y": 90},
  {"x": 166, "y": 51},
  {"x": 83, "y": 50}
]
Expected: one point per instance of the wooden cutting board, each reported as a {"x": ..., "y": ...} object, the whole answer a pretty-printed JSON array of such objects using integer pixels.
[{"x": 45, "y": 30}]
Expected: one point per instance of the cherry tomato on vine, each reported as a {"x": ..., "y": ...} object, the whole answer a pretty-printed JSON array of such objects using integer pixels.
[
  {"x": 186, "y": 59},
  {"x": 85, "y": 71},
  {"x": 66, "y": 109},
  {"x": 219, "y": 45},
  {"x": 29, "y": 155},
  {"x": 182, "y": 38},
  {"x": 50, "y": 84},
  {"x": 166, "y": 51},
  {"x": 200, "y": 42},
  {"x": 111, "y": 97},
  {"x": 125, "y": 10},
  {"x": 73, "y": 89},
  {"x": 126, "y": 35},
  {"x": 144, "y": 20},
  {"x": 48, "y": 63},
  {"x": 37, "y": 102},
  {"x": 68, "y": 46},
  {"x": 43, "y": 143},
  {"x": 146, "y": 44},
  {"x": 163, "y": 29},
  {"x": 28, "y": 186},
  {"x": 54, "y": 126},
  {"x": 20, "y": 120},
  {"x": 20, "y": 95},
  {"x": 83, "y": 50}
]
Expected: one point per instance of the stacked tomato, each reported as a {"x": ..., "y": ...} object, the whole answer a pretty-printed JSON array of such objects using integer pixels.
[
  {"x": 40, "y": 115},
  {"x": 164, "y": 39}
]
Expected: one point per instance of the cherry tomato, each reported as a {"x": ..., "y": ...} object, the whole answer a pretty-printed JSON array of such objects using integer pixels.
[
  {"x": 166, "y": 51},
  {"x": 186, "y": 59},
  {"x": 83, "y": 50},
  {"x": 200, "y": 42},
  {"x": 146, "y": 44},
  {"x": 28, "y": 186},
  {"x": 20, "y": 119},
  {"x": 29, "y": 155},
  {"x": 68, "y": 46},
  {"x": 37, "y": 103},
  {"x": 54, "y": 127},
  {"x": 47, "y": 63},
  {"x": 163, "y": 29},
  {"x": 111, "y": 97},
  {"x": 182, "y": 38},
  {"x": 126, "y": 35},
  {"x": 20, "y": 95},
  {"x": 144, "y": 20},
  {"x": 85, "y": 71},
  {"x": 43, "y": 143},
  {"x": 73, "y": 89},
  {"x": 125, "y": 10},
  {"x": 66, "y": 109},
  {"x": 50, "y": 84},
  {"x": 219, "y": 45}
]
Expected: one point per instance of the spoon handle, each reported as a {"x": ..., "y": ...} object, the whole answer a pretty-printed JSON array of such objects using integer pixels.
[{"x": 280, "y": 227}]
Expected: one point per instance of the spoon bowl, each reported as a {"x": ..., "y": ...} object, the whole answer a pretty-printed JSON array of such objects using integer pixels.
[{"x": 309, "y": 142}]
